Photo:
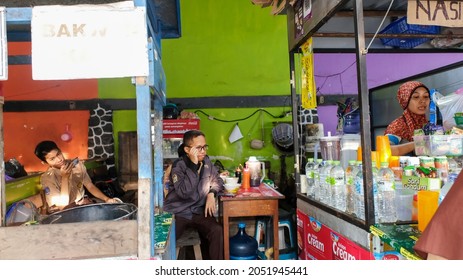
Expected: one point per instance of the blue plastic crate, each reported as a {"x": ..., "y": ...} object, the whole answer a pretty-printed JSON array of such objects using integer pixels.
[{"x": 401, "y": 26}]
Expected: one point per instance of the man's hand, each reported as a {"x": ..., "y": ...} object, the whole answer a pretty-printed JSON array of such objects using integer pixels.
[
  {"x": 210, "y": 205},
  {"x": 193, "y": 155}
]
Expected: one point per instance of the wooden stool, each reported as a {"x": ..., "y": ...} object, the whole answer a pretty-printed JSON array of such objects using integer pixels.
[{"x": 190, "y": 238}]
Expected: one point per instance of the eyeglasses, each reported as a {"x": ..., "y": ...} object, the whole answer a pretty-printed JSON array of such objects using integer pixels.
[{"x": 201, "y": 148}]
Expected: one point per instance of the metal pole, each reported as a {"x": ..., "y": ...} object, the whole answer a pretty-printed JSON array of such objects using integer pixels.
[
  {"x": 365, "y": 112},
  {"x": 295, "y": 107}
]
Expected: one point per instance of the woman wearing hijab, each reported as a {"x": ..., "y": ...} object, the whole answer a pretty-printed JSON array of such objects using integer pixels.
[{"x": 414, "y": 98}]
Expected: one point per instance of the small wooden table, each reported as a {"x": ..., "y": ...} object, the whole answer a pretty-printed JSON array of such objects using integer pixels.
[{"x": 256, "y": 201}]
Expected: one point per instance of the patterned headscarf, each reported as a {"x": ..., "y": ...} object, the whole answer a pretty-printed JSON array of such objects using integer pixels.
[
  {"x": 405, "y": 125},
  {"x": 406, "y": 90}
]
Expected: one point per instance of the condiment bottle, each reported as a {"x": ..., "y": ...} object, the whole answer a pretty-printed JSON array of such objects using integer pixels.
[{"x": 246, "y": 178}]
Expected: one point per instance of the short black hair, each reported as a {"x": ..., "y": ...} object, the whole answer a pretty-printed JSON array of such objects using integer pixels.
[
  {"x": 190, "y": 135},
  {"x": 44, "y": 147}
]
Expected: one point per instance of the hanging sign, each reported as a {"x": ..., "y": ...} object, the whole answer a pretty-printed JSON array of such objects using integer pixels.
[
  {"x": 432, "y": 12},
  {"x": 3, "y": 46},
  {"x": 89, "y": 41},
  {"x": 309, "y": 97}
]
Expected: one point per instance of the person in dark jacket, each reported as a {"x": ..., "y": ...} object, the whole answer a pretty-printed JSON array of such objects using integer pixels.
[{"x": 191, "y": 193}]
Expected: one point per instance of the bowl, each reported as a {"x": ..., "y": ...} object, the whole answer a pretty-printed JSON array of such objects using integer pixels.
[
  {"x": 231, "y": 188},
  {"x": 231, "y": 180}
]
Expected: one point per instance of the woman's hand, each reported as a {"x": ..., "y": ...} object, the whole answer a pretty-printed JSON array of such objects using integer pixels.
[{"x": 210, "y": 205}]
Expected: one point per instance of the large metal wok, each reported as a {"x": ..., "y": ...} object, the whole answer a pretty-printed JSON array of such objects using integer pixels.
[{"x": 93, "y": 212}]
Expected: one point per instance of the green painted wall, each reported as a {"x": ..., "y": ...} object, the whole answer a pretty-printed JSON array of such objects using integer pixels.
[
  {"x": 230, "y": 48},
  {"x": 227, "y": 48}
]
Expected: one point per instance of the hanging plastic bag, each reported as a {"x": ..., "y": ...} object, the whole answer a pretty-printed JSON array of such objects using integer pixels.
[{"x": 448, "y": 106}]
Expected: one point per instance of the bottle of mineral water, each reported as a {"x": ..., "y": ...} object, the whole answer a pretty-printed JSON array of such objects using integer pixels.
[
  {"x": 338, "y": 187},
  {"x": 351, "y": 172},
  {"x": 325, "y": 194},
  {"x": 316, "y": 175},
  {"x": 374, "y": 171},
  {"x": 309, "y": 174},
  {"x": 447, "y": 186},
  {"x": 359, "y": 205},
  {"x": 385, "y": 195}
]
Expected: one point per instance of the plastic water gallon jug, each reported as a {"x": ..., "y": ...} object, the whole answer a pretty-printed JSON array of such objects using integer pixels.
[
  {"x": 352, "y": 122},
  {"x": 243, "y": 246}
]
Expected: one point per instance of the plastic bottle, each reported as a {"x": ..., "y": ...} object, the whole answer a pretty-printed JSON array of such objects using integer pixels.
[
  {"x": 385, "y": 195},
  {"x": 359, "y": 204},
  {"x": 374, "y": 172},
  {"x": 453, "y": 166},
  {"x": 446, "y": 188},
  {"x": 325, "y": 193},
  {"x": 316, "y": 175},
  {"x": 309, "y": 174},
  {"x": 351, "y": 172},
  {"x": 432, "y": 107},
  {"x": 246, "y": 178},
  {"x": 243, "y": 246},
  {"x": 338, "y": 187}
]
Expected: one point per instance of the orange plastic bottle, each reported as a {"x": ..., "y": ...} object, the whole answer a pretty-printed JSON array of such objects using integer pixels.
[{"x": 246, "y": 179}]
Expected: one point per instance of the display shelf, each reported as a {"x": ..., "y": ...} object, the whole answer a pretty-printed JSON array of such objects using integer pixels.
[
  {"x": 400, "y": 237},
  {"x": 164, "y": 244}
]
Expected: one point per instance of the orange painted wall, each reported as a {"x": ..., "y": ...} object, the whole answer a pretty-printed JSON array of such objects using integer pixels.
[{"x": 23, "y": 130}]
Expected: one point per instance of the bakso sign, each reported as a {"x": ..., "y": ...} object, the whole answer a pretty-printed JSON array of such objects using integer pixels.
[
  {"x": 88, "y": 41},
  {"x": 432, "y": 12}
]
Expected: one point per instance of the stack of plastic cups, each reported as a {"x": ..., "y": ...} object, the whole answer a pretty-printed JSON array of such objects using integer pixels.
[{"x": 383, "y": 149}]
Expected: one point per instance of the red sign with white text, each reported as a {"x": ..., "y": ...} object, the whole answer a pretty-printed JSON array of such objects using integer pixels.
[
  {"x": 302, "y": 219},
  {"x": 345, "y": 249},
  {"x": 177, "y": 127},
  {"x": 318, "y": 243}
]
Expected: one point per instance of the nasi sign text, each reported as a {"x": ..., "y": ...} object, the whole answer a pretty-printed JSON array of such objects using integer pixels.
[{"x": 432, "y": 12}]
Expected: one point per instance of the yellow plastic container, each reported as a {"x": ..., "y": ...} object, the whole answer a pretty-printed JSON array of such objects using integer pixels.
[
  {"x": 383, "y": 149},
  {"x": 427, "y": 206}
]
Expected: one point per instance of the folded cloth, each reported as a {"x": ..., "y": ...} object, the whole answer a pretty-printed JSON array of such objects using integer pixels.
[{"x": 394, "y": 139}]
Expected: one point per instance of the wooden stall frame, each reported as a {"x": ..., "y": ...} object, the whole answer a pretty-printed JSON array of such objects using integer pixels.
[{"x": 105, "y": 239}]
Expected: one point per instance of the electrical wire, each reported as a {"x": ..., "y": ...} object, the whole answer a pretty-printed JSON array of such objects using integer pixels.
[
  {"x": 379, "y": 27},
  {"x": 242, "y": 119}
]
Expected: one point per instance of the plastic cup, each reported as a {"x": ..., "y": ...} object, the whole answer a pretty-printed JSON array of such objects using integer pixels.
[
  {"x": 404, "y": 199},
  {"x": 383, "y": 148},
  {"x": 330, "y": 147},
  {"x": 427, "y": 206},
  {"x": 394, "y": 161},
  {"x": 374, "y": 158},
  {"x": 359, "y": 153}
]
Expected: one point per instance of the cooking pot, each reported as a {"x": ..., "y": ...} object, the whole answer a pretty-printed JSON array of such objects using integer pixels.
[{"x": 93, "y": 212}]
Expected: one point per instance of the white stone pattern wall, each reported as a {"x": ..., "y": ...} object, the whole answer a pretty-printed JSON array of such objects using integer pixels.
[
  {"x": 100, "y": 138},
  {"x": 307, "y": 116}
]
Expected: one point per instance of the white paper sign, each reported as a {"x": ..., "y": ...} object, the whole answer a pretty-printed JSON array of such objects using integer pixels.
[
  {"x": 3, "y": 46},
  {"x": 88, "y": 41}
]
